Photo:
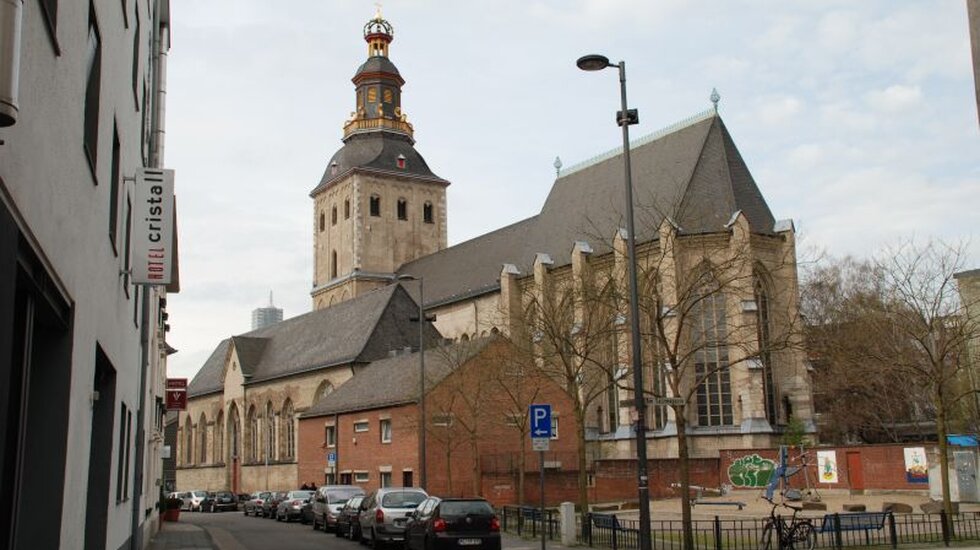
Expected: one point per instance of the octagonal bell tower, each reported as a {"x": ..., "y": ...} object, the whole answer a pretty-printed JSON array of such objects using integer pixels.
[{"x": 378, "y": 205}]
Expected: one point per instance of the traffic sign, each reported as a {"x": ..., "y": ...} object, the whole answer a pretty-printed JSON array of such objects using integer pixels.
[
  {"x": 540, "y": 444},
  {"x": 672, "y": 401},
  {"x": 540, "y": 421},
  {"x": 332, "y": 458}
]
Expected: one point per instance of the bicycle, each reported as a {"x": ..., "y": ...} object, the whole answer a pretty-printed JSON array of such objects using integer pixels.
[{"x": 798, "y": 534}]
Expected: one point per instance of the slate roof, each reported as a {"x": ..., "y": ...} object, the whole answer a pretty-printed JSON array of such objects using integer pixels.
[
  {"x": 395, "y": 380},
  {"x": 355, "y": 331},
  {"x": 692, "y": 173},
  {"x": 377, "y": 64},
  {"x": 376, "y": 151}
]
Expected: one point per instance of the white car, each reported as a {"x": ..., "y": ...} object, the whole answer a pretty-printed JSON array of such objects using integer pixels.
[{"x": 197, "y": 497}]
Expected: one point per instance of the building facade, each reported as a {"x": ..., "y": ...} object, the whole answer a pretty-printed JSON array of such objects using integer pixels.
[
  {"x": 722, "y": 352},
  {"x": 266, "y": 316},
  {"x": 82, "y": 349}
]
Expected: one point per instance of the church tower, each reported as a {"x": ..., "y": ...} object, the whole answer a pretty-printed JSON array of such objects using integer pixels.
[{"x": 378, "y": 205}]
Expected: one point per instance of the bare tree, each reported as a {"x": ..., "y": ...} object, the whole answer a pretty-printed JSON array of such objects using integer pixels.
[
  {"x": 910, "y": 324},
  {"x": 707, "y": 304},
  {"x": 565, "y": 330}
]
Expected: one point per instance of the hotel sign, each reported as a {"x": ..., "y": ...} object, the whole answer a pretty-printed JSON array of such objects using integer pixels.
[
  {"x": 176, "y": 394},
  {"x": 153, "y": 227}
]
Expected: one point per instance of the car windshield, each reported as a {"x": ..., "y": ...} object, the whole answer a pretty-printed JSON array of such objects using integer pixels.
[
  {"x": 461, "y": 508},
  {"x": 340, "y": 496},
  {"x": 200, "y": 494},
  {"x": 223, "y": 495},
  {"x": 302, "y": 495},
  {"x": 354, "y": 502},
  {"x": 402, "y": 499},
  {"x": 265, "y": 495}
]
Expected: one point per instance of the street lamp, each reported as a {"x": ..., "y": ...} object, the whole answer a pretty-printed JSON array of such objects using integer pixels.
[
  {"x": 421, "y": 374},
  {"x": 624, "y": 119}
]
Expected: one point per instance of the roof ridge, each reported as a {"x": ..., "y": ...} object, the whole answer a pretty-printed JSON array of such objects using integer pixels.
[{"x": 657, "y": 134}]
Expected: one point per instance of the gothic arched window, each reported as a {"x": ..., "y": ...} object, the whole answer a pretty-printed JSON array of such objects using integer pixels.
[
  {"x": 709, "y": 335},
  {"x": 219, "y": 438},
  {"x": 233, "y": 432},
  {"x": 202, "y": 426},
  {"x": 288, "y": 430},
  {"x": 252, "y": 435},
  {"x": 763, "y": 328},
  {"x": 189, "y": 442},
  {"x": 270, "y": 431}
]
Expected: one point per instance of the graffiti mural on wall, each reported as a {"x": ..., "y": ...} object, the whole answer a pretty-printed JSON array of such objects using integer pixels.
[{"x": 751, "y": 471}]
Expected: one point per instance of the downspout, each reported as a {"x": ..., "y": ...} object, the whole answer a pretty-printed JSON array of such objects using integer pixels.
[{"x": 161, "y": 33}]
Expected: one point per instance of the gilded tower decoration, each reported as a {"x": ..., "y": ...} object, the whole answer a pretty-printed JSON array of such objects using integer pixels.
[{"x": 379, "y": 86}]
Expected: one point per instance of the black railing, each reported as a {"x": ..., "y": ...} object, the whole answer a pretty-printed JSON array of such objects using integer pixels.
[
  {"x": 833, "y": 531},
  {"x": 527, "y": 521}
]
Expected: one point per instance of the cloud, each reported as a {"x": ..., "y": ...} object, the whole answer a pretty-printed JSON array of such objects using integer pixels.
[
  {"x": 894, "y": 98},
  {"x": 779, "y": 109}
]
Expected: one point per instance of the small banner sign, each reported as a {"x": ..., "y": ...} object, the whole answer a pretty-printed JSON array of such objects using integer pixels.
[
  {"x": 176, "y": 394},
  {"x": 153, "y": 227}
]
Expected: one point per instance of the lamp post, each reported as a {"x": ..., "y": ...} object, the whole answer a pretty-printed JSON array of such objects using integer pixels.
[
  {"x": 422, "y": 480},
  {"x": 624, "y": 119}
]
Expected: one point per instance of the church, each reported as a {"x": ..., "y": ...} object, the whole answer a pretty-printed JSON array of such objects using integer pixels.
[{"x": 719, "y": 298}]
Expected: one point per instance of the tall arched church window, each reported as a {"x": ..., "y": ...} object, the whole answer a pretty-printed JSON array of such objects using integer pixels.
[
  {"x": 270, "y": 431},
  {"x": 252, "y": 435},
  {"x": 765, "y": 350},
  {"x": 709, "y": 335},
  {"x": 288, "y": 430},
  {"x": 189, "y": 442},
  {"x": 427, "y": 215},
  {"x": 233, "y": 432},
  {"x": 219, "y": 437},
  {"x": 203, "y": 434}
]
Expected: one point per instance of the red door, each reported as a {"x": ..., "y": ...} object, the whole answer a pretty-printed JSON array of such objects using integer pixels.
[{"x": 855, "y": 475}]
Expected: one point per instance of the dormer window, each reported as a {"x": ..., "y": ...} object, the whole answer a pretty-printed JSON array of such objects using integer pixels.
[
  {"x": 400, "y": 161},
  {"x": 402, "y": 209},
  {"x": 333, "y": 168}
]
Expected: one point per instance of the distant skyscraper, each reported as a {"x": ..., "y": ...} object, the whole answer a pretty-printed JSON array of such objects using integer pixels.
[{"x": 265, "y": 316}]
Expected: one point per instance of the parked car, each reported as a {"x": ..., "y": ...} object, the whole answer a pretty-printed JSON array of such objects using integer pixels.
[
  {"x": 291, "y": 506},
  {"x": 328, "y": 501},
  {"x": 197, "y": 497},
  {"x": 207, "y": 503},
  {"x": 384, "y": 513},
  {"x": 221, "y": 501},
  {"x": 254, "y": 504},
  {"x": 242, "y": 499},
  {"x": 347, "y": 525},
  {"x": 451, "y": 523},
  {"x": 271, "y": 503},
  {"x": 306, "y": 513}
]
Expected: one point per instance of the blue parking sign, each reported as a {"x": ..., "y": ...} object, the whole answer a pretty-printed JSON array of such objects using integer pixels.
[{"x": 540, "y": 421}]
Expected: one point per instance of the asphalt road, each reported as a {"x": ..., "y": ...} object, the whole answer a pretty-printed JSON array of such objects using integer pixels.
[{"x": 235, "y": 531}]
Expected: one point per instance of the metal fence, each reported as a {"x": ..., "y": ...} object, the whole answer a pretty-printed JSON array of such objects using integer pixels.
[
  {"x": 833, "y": 531},
  {"x": 527, "y": 522}
]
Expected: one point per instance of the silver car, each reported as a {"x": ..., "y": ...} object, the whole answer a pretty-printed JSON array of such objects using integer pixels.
[
  {"x": 328, "y": 501},
  {"x": 385, "y": 512}
]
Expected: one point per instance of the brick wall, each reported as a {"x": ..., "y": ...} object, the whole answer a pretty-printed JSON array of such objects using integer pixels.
[
  {"x": 882, "y": 467},
  {"x": 362, "y": 452}
]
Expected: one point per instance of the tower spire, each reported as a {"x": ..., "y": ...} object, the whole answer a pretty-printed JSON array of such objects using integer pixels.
[{"x": 378, "y": 85}]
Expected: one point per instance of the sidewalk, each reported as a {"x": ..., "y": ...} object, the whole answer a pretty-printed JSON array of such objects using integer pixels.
[{"x": 180, "y": 536}]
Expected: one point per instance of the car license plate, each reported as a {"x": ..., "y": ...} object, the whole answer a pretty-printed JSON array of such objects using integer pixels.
[{"x": 470, "y": 542}]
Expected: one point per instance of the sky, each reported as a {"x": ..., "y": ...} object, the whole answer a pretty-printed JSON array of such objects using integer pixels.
[{"x": 858, "y": 121}]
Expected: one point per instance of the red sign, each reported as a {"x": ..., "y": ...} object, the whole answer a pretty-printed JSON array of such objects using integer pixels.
[
  {"x": 176, "y": 400},
  {"x": 176, "y": 394}
]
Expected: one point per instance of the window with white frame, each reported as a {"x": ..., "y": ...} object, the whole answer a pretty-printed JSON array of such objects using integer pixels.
[
  {"x": 362, "y": 426},
  {"x": 362, "y": 477},
  {"x": 554, "y": 426},
  {"x": 330, "y": 436},
  {"x": 386, "y": 479},
  {"x": 385, "y": 426}
]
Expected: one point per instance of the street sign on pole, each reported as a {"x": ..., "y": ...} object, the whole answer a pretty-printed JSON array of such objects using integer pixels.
[
  {"x": 671, "y": 401},
  {"x": 332, "y": 458},
  {"x": 540, "y": 421},
  {"x": 540, "y": 437}
]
